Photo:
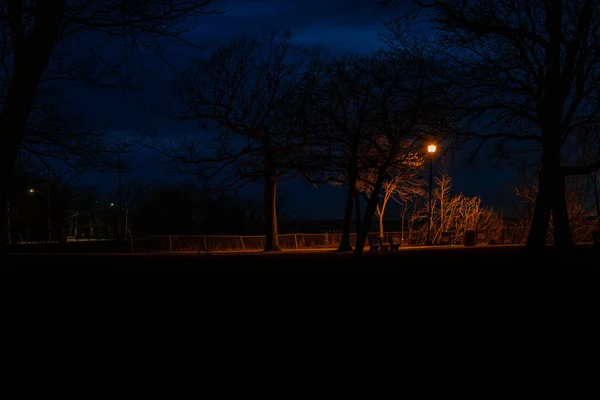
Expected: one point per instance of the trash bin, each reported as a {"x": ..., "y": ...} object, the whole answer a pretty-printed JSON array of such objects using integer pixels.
[
  {"x": 596, "y": 239},
  {"x": 446, "y": 238},
  {"x": 470, "y": 238}
]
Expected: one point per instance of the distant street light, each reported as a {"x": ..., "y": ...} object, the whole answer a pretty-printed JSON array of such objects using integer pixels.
[
  {"x": 48, "y": 198},
  {"x": 126, "y": 217},
  {"x": 431, "y": 150},
  {"x": 127, "y": 231}
]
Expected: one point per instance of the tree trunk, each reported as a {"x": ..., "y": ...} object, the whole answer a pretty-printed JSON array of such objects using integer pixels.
[
  {"x": 402, "y": 218},
  {"x": 12, "y": 124},
  {"x": 412, "y": 221},
  {"x": 563, "y": 236},
  {"x": 270, "y": 200},
  {"x": 31, "y": 54},
  {"x": 368, "y": 215},
  {"x": 8, "y": 223},
  {"x": 550, "y": 200},
  {"x": 551, "y": 191},
  {"x": 357, "y": 210},
  {"x": 595, "y": 185},
  {"x": 380, "y": 216},
  {"x": 345, "y": 239}
]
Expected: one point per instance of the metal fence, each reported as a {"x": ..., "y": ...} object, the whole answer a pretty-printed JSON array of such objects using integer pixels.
[
  {"x": 213, "y": 243},
  {"x": 294, "y": 241},
  {"x": 305, "y": 241}
]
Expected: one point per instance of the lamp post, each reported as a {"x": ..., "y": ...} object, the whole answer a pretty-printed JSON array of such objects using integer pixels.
[
  {"x": 127, "y": 231},
  {"x": 126, "y": 217},
  {"x": 47, "y": 196},
  {"x": 431, "y": 150},
  {"x": 114, "y": 205}
]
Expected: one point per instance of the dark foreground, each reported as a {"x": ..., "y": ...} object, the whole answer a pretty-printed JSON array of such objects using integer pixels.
[{"x": 480, "y": 257}]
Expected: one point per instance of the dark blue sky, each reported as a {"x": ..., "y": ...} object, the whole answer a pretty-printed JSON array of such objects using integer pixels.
[{"x": 338, "y": 25}]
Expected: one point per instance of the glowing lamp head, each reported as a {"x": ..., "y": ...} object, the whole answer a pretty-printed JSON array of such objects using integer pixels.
[
  {"x": 31, "y": 190},
  {"x": 431, "y": 148},
  {"x": 112, "y": 204}
]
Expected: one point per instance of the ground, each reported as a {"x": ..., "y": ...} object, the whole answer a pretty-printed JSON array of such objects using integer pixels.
[{"x": 438, "y": 256}]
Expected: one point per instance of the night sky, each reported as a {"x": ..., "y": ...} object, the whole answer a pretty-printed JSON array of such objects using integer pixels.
[{"x": 339, "y": 25}]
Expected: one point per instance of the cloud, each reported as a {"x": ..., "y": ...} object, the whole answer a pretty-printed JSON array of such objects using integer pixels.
[
  {"x": 338, "y": 25},
  {"x": 297, "y": 14},
  {"x": 340, "y": 39},
  {"x": 330, "y": 20}
]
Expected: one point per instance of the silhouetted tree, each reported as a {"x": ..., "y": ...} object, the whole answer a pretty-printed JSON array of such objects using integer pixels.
[
  {"x": 248, "y": 90},
  {"x": 406, "y": 176},
  {"x": 524, "y": 73},
  {"x": 456, "y": 213},
  {"x": 579, "y": 198},
  {"x": 340, "y": 117},
  {"x": 410, "y": 201},
  {"x": 379, "y": 122},
  {"x": 37, "y": 205},
  {"x": 37, "y": 29},
  {"x": 56, "y": 136}
]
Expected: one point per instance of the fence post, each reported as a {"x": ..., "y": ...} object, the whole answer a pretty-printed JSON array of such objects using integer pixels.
[
  {"x": 205, "y": 244},
  {"x": 296, "y": 241},
  {"x": 242, "y": 240},
  {"x": 170, "y": 244}
]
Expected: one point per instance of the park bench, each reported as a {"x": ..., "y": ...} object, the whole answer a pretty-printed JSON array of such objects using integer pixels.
[
  {"x": 446, "y": 238},
  {"x": 377, "y": 243}
]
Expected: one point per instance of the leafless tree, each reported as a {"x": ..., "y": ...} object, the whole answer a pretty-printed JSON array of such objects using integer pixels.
[
  {"x": 248, "y": 91},
  {"x": 411, "y": 201},
  {"x": 54, "y": 131},
  {"x": 457, "y": 213},
  {"x": 522, "y": 74},
  {"x": 340, "y": 117},
  {"x": 579, "y": 198},
  {"x": 400, "y": 122},
  {"x": 373, "y": 123},
  {"x": 405, "y": 178},
  {"x": 36, "y": 30}
]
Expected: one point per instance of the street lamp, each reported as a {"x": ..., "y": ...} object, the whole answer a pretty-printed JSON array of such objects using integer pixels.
[
  {"x": 126, "y": 217},
  {"x": 47, "y": 196},
  {"x": 431, "y": 150}
]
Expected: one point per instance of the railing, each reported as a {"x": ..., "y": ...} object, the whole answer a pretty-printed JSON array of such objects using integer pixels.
[
  {"x": 220, "y": 243},
  {"x": 305, "y": 241},
  {"x": 293, "y": 241}
]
